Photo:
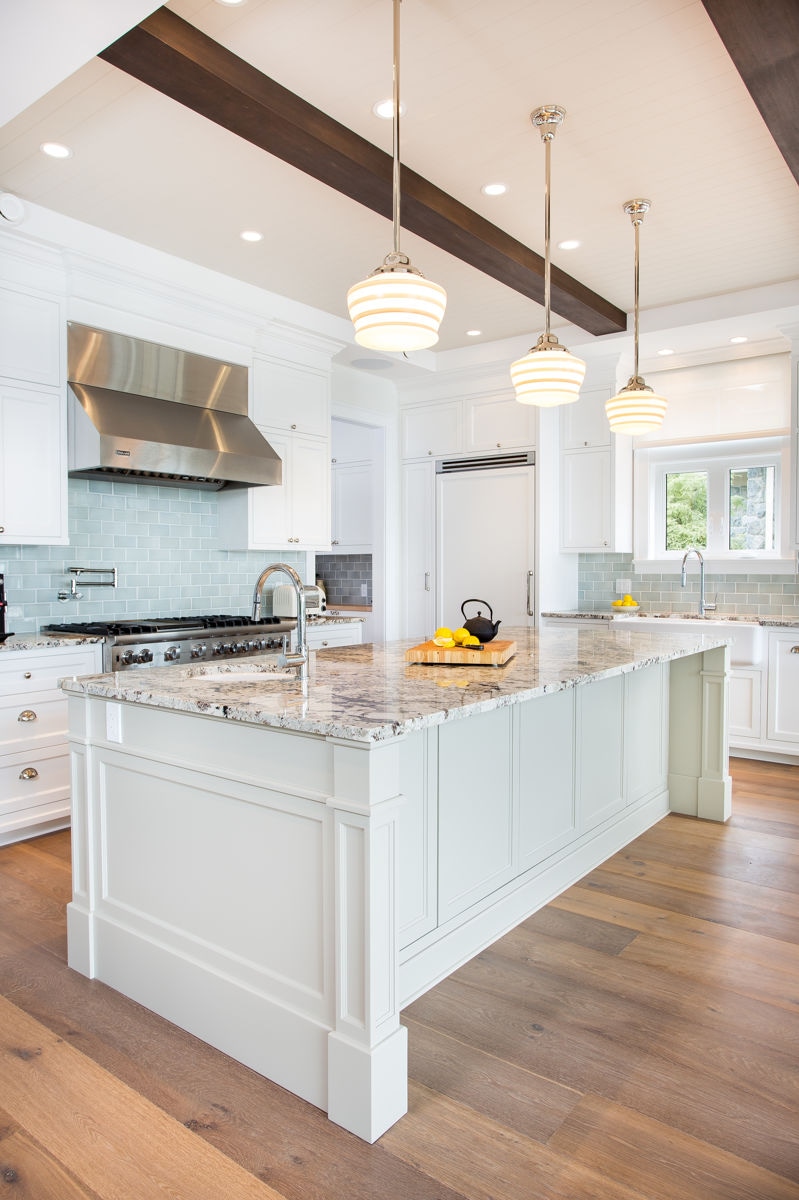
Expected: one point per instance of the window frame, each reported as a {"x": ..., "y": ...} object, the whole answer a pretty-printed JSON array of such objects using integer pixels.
[{"x": 717, "y": 458}]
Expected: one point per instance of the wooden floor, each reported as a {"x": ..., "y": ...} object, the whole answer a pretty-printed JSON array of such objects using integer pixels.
[{"x": 638, "y": 1039}]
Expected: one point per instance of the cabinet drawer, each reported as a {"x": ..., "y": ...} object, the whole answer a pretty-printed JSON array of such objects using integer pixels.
[
  {"x": 22, "y": 674},
  {"x": 334, "y": 635},
  {"x": 25, "y": 724},
  {"x": 28, "y": 780}
]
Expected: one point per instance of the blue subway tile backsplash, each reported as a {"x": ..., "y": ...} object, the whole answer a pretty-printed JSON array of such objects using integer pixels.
[{"x": 163, "y": 542}]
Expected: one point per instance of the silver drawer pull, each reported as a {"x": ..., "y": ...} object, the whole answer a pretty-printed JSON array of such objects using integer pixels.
[
  {"x": 28, "y": 675},
  {"x": 29, "y": 773},
  {"x": 28, "y": 714},
  {"x": 794, "y": 650}
]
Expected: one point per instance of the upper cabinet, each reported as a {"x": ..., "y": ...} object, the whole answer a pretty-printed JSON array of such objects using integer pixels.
[
  {"x": 33, "y": 460},
  {"x": 290, "y": 396},
  {"x": 471, "y": 425},
  {"x": 595, "y": 478}
]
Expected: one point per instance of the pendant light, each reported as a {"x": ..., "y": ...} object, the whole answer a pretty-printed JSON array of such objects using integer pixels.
[
  {"x": 396, "y": 308},
  {"x": 636, "y": 408},
  {"x": 548, "y": 374}
]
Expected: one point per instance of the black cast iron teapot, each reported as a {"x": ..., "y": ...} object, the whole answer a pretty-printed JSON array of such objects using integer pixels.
[{"x": 480, "y": 627}]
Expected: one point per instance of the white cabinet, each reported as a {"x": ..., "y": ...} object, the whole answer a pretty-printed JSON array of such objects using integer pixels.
[
  {"x": 497, "y": 422},
  {"x": 494, "y": 421},
  {"x": 33, "y": 473},
  {"x": 34, "y": 757},
  {"x": 323, "y": 635},
  {"x": 783, "y": 688},
  {"x": 290, "y": 396},
  {"x": 30, "y": 338},
  {"x": 432, "y": 430},
  {"x": 595, "y": 479},
  {"x": 746, "y": 705},
  {"x": 353, "y": 506},
  {"x": 293, "y": 516},
  {"x": 418, "y": 525}
]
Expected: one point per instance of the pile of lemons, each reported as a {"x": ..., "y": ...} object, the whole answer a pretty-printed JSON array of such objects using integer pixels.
[
  {"x": 447, "y": 638},
  {"x": 624, "y": 602}
]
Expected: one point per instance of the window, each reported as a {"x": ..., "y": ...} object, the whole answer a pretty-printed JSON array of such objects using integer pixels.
[{"x": 724, "y": 498}]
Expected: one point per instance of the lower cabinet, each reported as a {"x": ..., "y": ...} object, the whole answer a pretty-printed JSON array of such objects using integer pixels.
[
  {"x": 322, "y": 636},
  {"x": 490, "y": 801},
  {"x": 34, "y": 758},
  {"x": 783, "y": 688}
]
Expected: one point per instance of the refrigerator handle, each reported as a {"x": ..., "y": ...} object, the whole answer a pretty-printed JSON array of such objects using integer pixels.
[
  {"x": 427, "y": 581},
  {"x": 530, "y": 607}
]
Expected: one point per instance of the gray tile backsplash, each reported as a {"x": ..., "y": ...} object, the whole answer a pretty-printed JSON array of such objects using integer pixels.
[
  {"x": 163, "y": 543},
  {"x": 735, "y": 595},
  {"x": 347, "y": 578}
]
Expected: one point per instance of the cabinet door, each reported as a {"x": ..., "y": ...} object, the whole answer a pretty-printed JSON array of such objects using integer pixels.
[
  {"x": 745, "y": 708},
  {"x": 269, "y": 507},
  {"x": 585, "y": 500},
  {"x": 418, "y": 517},
  {"x": 547, "y": 817},
  {"x": 30, "y": 338},
  {"x": 600, "y": 787},
  {"x": 584, "y": 424},
  {"x": 498, "y": 423},
  {"x": 353, "y": 505},
  {"x": 33, "y": 478},
  {"x": 309, "y": 483},
  {"x": 646, "y": 732},
  {"x": 783, "y": 686},
  {"x": 292, "y": 397},
  {"x": 434, "y": 429}
]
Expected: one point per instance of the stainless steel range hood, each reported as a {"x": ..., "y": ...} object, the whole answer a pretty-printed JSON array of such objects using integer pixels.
[{"x": 153, "y": 414}]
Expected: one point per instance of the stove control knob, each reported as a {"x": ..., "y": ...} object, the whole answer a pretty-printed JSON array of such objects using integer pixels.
[
  {"x": 198, "y": 651},
  {"x": 144, "y": 656},
  {"x": 172, "y": 654},
  {"x": 218, "y": 649},
  {"x": 126, "y": 658},
  {"x": 240, "y": 648}
]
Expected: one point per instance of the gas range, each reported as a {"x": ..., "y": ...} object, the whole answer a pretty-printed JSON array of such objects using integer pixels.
[{"x": 172, "y": 641}]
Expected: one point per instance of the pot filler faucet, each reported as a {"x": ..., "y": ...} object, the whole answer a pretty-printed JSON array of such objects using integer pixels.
[
  {"x": 703, "y": 607},
  {"x": 299, "y": 656}
]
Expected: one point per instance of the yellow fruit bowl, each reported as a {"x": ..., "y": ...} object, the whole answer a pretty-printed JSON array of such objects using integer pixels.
[{"x": 625, "y": 607}]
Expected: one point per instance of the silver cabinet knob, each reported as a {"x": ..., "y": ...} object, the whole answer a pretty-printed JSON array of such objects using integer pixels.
[
  {"x": 294, "y": 427},
  {"x": 28, "y": 675},
  {"x": 29, "y": 773},
  {"x": 794, "y": 650},
  {"x": 27, "y": 714},
  {"x": 2, "y": 528}
]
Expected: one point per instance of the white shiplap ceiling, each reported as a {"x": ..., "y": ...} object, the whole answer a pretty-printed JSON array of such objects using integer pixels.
[{"x": 655, "y": 108}]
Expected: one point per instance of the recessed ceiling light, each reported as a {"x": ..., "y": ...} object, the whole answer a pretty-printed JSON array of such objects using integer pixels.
[
  {"x": 737, "y": 341},
  {"x": 494, "y": 189},
  {"x": 665, "y": 351},
  {"x": 385, "y": 109},
  {"x": 251, "y": 235},
  {"x": 55, "y": 150},
  {"x": 569, "y": 244},
  {"x": 473, "y": 332}
]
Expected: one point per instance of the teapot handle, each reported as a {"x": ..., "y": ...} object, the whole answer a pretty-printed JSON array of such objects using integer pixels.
[{"x": 475, "y": 601}]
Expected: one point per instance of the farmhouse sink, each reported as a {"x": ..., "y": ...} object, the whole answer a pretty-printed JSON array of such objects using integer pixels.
[{"x": 747, "y": 638}]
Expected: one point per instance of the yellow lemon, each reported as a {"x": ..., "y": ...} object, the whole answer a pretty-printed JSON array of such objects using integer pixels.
[
  {"x": 443, "y": 632},
  {"x": 460, "y": 635},
  {"x": 444, "y": 642},
  {"x": 617, "y": 603},
  {"x": 471, "y": 640}
]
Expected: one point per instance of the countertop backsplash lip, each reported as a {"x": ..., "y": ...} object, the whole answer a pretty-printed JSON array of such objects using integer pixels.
[{"x": 727, "y": 618}]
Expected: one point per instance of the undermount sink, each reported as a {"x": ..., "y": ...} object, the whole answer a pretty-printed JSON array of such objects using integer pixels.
[{"x": 746, "y": 637}]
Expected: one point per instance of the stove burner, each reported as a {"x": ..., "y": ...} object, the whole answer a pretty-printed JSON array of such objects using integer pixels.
[{"x": 158, "y": 625}]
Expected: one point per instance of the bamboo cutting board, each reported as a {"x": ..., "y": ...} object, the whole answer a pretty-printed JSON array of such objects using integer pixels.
[{"x": 493, "y": 654}]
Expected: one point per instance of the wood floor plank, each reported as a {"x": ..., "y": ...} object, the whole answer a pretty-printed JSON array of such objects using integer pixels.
[
  {"x": 29, "y": 1172},
  {"x": 664, "y": 1164},
  {"x": 524, "y": 1102},
  {"x": 103, "y": 1132},
  {"x": 486, "y": 1161}
]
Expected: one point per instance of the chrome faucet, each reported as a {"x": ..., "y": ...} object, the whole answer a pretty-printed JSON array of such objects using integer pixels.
[
  {"x": 298, "y": 657},
  {"x": 703, "y": 605}
]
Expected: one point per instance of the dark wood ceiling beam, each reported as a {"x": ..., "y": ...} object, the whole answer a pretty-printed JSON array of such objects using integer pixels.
[
  {"x": 762, "y": 39},
  {"x": 178, "y": 60}
]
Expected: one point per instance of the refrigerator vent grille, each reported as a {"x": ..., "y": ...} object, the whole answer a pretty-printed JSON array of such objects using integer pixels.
[{"x": 485, "y": 462}]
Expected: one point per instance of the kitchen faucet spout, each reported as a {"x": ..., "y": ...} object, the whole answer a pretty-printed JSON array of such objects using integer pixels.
[
  {"x": 298, "y": 657},
  {"x": 703, "y": 605}
]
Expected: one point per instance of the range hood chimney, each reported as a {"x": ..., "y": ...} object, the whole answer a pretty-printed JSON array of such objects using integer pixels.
[{"x": 152, "y": 414}]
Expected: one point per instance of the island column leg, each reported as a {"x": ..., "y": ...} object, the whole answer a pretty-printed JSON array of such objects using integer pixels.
[
  {"x": 699, "y": 779},
  {"x": 367, "y": 1050}
]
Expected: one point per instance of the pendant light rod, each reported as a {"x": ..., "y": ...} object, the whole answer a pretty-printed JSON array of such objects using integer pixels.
[
  {"x": 547, "y": 119},
  {"x": 636, "y": 210},
  {"x": 396, "y": 126}
]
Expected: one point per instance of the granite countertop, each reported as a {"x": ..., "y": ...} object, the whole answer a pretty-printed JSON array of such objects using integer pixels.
[
  {"x": 334, "y": 618},
  {"x": 44, "y": 641},
  {"x": 779, "y": 622},
  {"x": 368, "y": 693}
]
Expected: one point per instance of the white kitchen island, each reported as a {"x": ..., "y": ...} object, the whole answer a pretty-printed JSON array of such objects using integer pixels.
[{"x": 280, "y": 872}]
